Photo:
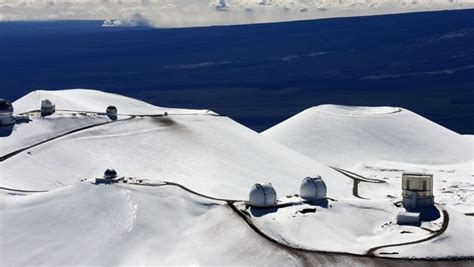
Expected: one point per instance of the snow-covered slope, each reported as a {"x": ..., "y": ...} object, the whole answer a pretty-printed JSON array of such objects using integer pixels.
[
  {"x": 453, "y": 184},
  {"x": 357, "y": 226},
  {"x": 146, "y": 222},
  {"x": 210, "y": 154},
  {"x": 344, "y": 136},
  {"x": 46, "y": 128},
  {"x": 178, "y": 13},
  {"x": 382, "y": 143},
  {"x": 76, "y": 108},
  {"x": 124, "y": 225}
]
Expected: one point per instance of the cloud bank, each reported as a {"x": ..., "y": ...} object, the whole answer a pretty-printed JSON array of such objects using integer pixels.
[{"x": 189, "y": 13}]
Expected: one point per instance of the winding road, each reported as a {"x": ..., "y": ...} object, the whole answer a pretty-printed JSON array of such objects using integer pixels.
[
  {"x": 444, "y": 226},
  {"x": 297, "y": 251},
  {"x": 301, "y": 253},
  {"x": 357, "y": 179},
  {"x": 131, "y": 116},
  {"x": 18, "y": 151}
]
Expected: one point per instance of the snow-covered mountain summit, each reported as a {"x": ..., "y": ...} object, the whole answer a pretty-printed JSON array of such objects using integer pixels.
[
  {"x": 199, "y": 149},
  {"x": 182, "y": 191},
  {"x": 178, "y": 13},
  {"x": 344, "y": 135}
]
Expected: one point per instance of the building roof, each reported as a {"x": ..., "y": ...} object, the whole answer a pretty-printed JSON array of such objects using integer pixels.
[{"x": 417, "y": 174}]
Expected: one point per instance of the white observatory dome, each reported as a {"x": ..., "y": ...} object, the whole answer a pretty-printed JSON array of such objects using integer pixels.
[
  {"x": 313, "y": 188},
  {"x": 262, "y": 195}
]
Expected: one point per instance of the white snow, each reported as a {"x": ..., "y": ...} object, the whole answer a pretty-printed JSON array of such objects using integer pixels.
[
  {"x": 78, "y": 223},
  {"x": 211, "y": 154},
  {"x": 381, "y": 143},
  {"x": 124, "y": 225},
  {"x": 453, "y": 184},
  {"x": 45, "y": 128},
  {"x": 185, "y": 13},
  {"x": 352, "y": 226},
  {"x": 344, "y": 136},
  {"x": 458, "y": 237}
]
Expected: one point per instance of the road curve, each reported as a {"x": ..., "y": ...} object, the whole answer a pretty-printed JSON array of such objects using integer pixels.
[
  {"x": 444, "y": 226},
  {"x": 302, "y": 253},
  {"x": 357, "y": 179},
  {"x": 18, "y": 151},
  {"x": 131, "y": 116},
  {"x": 165, "y": 183},
  {"x": 21, "y": 190}
]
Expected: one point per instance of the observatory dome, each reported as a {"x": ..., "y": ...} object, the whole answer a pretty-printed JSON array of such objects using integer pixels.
[
  {"x": 262, "y": 195},
  {"x": 313, "y": 188}
]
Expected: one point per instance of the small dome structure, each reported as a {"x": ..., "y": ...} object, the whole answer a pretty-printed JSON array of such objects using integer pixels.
[
  {"x": 313, "y": 188},
  {"x": 47, "y": 108},
  {"x": 262, "y": 195},
  {"x": 111, "y": 111},
  {"x": 5, "y": 106},
  {"x": 110, "y": 174},
  {"x": 6, "y": 113}
]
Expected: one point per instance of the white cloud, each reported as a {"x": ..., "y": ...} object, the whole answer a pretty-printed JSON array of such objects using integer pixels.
[{"x": 184, "y": 13}]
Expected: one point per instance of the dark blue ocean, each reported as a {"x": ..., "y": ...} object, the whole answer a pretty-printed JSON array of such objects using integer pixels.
[{"x": 261, "y": 74}]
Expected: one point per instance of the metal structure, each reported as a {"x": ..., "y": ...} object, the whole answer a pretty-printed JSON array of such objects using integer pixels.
[
  {"x": 417, "y": 190},
  {"x": 111, "y": 112},
  {"x": 47, "y": 108},
  {"x": 6, "y": 113},
  {"x": 409, "y": 218}
]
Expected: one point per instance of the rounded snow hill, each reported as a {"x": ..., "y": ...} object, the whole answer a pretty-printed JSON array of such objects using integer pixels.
[
  {"x": 210, "y": 154},
  {"x": 344, "y": 136}
]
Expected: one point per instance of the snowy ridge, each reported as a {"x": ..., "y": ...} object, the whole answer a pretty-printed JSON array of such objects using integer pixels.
[
  {"x": 95, "y": 101},
  {"x": 211, "y": 154},
  {"x": 182, "y": 13}
]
